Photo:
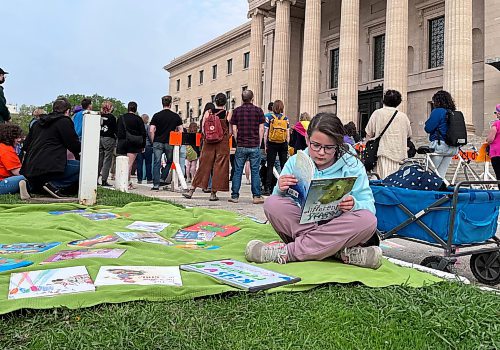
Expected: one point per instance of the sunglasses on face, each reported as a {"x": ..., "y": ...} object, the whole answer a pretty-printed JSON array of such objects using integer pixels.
[{"x": 316, "y": 147}]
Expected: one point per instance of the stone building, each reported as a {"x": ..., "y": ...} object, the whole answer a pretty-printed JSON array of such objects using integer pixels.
[{"x": 339, "y": 56}]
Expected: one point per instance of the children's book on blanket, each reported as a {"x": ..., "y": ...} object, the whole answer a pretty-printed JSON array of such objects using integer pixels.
[
  {"x": 207, "y": 226},
  {"x": 241, "y": 275},
  {"x": 139, "y": 275},
  {"x": 319, "y": 199},
  {"x": 7, "y": 264},
  {"x": 148, "y": 237},
  {"x": 71, "y": 254}
]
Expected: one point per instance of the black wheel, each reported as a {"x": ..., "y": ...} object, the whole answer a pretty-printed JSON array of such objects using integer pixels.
[
  {"x": 486, "y": 267},
  {"x": 434, "y": 261}
]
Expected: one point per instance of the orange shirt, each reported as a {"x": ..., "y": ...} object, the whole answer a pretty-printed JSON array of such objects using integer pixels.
[{"x": 8, "y": 161}]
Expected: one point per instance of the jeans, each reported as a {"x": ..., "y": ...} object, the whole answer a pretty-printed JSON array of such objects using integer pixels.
[
  {"x": 240, "y": 157},
  {"x": 106, "y": 148},
  {"x": 158, "y": 150},
  {"x": 70, "y": 176},
  {"x": 182, "y": 159},
  {"x": 443, "y": 159},
  {"x": 10, "y": 185},
  {"x": 147, "y": 157}
]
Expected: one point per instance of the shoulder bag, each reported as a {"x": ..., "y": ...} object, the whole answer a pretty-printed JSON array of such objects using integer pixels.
[{"x": 369, "y": 155}]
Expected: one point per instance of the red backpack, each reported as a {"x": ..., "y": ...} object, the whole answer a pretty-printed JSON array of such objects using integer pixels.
[{"x": 212, "y": 127}]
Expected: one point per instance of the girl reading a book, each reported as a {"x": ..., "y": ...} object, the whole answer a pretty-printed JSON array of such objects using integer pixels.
[{"x": 343, "y": 237}]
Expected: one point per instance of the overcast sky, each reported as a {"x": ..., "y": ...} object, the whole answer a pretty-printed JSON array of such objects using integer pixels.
[{"x": 115, "y": 48}]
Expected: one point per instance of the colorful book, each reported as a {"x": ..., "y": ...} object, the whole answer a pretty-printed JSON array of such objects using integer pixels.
[
  {"x": 26, "y": 248},
  {"x": 241, "y": 275},
  {"x": 220, "y": 230},
  {"x": 7, "y": 264},
  {"x": 148, "y": 226},
  {"x": 193, "y": 236},
  {"x": 99, "y": 216},
  {"x": 139, "y": 275},
  {"x": 96, "y": 240},
  {"x": 62, "y": 212},
  {"x": 64, "y": 255},
  {"x": 46, "y": 283},
  {"x": 148, "y": 237}
]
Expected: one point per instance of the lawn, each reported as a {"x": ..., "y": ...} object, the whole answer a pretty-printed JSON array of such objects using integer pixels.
[{"x": 441, "y": 316}]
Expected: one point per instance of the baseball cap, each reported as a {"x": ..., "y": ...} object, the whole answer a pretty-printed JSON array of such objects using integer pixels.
[
  {"x": 2, "y": 71},
  {"x": 498, "y": 108}
]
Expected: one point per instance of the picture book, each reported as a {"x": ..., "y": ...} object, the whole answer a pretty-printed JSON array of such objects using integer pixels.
[
  {"x": 26, "y": 248},
  {"x": 220, "y": 230},
  {"x": 193, "y": 236},
  {"x": 148, "y": 237},
  {"x": 148, "y": 226},
  {"x": 84, "y": 253},
  {"x": 139, "y": 275},
  {"x": 45, "y": 283},
  {"x": 241, "y": 275},
  {"x": 318, "y": 198},
  {"x": 7, "y": 264},
  {"x": 62, "y": 212},
  {"x": 93, "y": 241},
  {"x": 99, "y": 216}
]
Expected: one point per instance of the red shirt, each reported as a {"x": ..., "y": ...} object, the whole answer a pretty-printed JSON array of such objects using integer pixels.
[{"x": 8, "y": 161}]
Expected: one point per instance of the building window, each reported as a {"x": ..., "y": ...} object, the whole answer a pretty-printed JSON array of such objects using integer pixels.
[
  {"x": 189, "y": 81},
  {"x": 436, "y": 42},
  {"x": 176, "y": 108},
  {"x": 244, "y": 88},
  {"x": 212, "y": 98},
  {"x": 246, "y": 60},
  {"x": 200, "y": 102},
  {"x": 230, "y": 66},
  {"x": 334, "y": 68},
  {"x": 178, "y": 84},
  {"x": 378, "y": 56},
  {"x": 201, "y": 77},
  {"x": 189, "y": 112},
  {"x": 228, "y": 102},
  {"x": 214, "y": 72}
]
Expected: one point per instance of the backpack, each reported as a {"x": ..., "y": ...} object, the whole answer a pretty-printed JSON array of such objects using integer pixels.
[
  {"x": 278, "y": 129},
  {"x": 212, "y": 128},
  {"x": 457, "y": 131}
]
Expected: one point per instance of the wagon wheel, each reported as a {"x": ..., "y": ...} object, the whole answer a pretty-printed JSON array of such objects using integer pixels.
[
  {"x": 434, "y": 261},
  {"x": 486, "y": 267}
]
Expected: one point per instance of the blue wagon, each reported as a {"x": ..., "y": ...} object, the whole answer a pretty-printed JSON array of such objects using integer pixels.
[{"x": 461, "y": 217}]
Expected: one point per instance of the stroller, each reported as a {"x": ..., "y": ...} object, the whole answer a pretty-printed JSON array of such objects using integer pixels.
[{"x": 462, "y": 221}]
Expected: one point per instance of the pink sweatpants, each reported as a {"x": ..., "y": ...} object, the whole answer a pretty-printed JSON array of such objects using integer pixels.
[{"x": 313, "y": 241}]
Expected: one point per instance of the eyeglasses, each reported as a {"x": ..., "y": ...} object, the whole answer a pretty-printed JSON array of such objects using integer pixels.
[{"x": 329, "y": 149}]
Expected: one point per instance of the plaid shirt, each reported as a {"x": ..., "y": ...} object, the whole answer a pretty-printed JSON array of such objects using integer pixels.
[{"x": 248, "y": 118}]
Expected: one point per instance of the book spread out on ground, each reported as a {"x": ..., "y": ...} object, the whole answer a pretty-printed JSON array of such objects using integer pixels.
[
  {"x": 241, "y": 275},
  {"x": 62, "y": 212},
  {"x": 148, "y": 237},
  {"x": 148, "y": 226},
  {"x": 319, "y": 199},
  {"x": 139, "y": 275},
  {"x": 91, "y": 216},
  {"x": 193, "y": 236},
  {"x": 26, "y": 248},
  {"x": 84, "y": 253},
  {"x": 96, "y": 240},
  {"x": 206, "y": 226},
  {"x": 7, "y": 264},
  {"x": 44, "y": 283}
]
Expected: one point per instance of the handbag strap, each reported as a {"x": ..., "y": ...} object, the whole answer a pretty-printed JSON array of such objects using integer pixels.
[{"x": 387, "y": 126}]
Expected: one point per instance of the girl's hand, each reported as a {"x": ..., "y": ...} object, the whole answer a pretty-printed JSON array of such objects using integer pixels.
[
  {"x": 347, "y": 204},
  {"x": 285, "y": 181}
]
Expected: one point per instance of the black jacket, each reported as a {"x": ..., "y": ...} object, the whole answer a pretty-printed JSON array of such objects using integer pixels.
[
  {"x": 133, "y": 124},
  {"x": 46, "y": 146},
  {"x": 4, "y": 111}
]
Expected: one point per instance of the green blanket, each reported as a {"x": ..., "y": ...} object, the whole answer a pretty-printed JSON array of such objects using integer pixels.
[{"x": 33, "y": 223}]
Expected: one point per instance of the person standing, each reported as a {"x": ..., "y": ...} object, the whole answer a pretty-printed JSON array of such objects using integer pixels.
[
  {"x": 78, "y": 117},
  {"x": 192, "y": 155},
  {"x": 146, "y": 156},
  {"x": 107, "y": 142},
  {"x": 248, "y": 127},
  {"x": 161, "y": 125},
  {"x": 298, "y": 135},
  {"x": 4, "y": 111},
  {"x": 493, "y": 140}
]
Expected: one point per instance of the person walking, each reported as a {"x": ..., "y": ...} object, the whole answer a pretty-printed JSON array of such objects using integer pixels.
[
  {"x": 107, "y": 142},
  {"x": 493, "y": 139},
  {"x": 4, "y": 111},
  {"x": 145, "y": 159}
]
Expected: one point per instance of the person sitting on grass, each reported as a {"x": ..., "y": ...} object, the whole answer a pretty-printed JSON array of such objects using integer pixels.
[
  {"x": 341, "y": 237},
  {"x": 10, "y": 180}
]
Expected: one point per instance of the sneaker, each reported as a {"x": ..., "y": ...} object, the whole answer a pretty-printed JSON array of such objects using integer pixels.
[
  {"x": 266, "y": 193},
  {"x": 23, "y": 190},
  {"x": 139, "y": 182},
  {"x": 233, "y": 200},
  {"x": 370, "y": 257},
  {"x": 106, "y": 184},
  {"x": 260, "y": 252},
  {"x": 258, "y": 200},
  {"x": 52, "y": 190},
  {"x": 155, "y": 188},
  {"x": 150, "y": 182}
]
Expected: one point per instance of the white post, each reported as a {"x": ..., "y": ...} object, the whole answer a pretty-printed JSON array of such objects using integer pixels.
[
  {"x": 121, "y": 174},
  {"x": 89, "y": 161},
  {"x": 178, "y": 174}
]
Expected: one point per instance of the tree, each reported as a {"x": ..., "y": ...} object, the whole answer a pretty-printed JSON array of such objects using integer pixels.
[{"x": 97, "y": 100}]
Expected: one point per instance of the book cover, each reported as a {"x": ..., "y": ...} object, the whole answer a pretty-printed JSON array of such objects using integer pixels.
[
  {"x": 45, "y": 283},
  {"x": 7, "y": 264},
  {"x": 193, "y": 236},
  {"x": 139, "y": 275},
  {"x": 220, "y": 230},
  {"x": 241, "y": 275},
  {"x": 99, "y": 216},
  {"x": 148, "y": 237},
  {"x": 26, "y": 248},
  {"x": 148, "y": 226},
  {"x": 64, "y": 255},
  {"x": 93, "y": 241},
  {"x": 62, "y": 212}
]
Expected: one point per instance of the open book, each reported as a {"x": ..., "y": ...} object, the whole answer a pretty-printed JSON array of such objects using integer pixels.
[{"x": 318, "y": 198}]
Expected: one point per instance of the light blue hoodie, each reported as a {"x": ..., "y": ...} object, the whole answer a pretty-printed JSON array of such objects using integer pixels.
[{"x": 347, "y": 165}]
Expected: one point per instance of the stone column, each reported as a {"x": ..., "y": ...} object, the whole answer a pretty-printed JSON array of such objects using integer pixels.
[
  {"x": 458, "y": 55},
  {"x": 347, "y": 100},
  {"x": 281, "y": 58},
  {"x": 396, "y": 49},
  {"x": 256, "y": 55},
  {"x": 309, "y": 94}
]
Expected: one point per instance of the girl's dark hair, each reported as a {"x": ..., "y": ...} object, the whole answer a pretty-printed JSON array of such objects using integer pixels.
[
  {"x": 9, "y": 133},
  {"x": 209, "y": 106},
  {"x": 329, "y": 124},
  {"x": 443, "y": 99},
  {"x": 220, "y": 99},
  {"x": 392, "y": 98},
  {"x": 350, "y": 129}
]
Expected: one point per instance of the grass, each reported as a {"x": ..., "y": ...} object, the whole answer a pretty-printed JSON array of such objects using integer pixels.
[{"x": 442, "y": 316}]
